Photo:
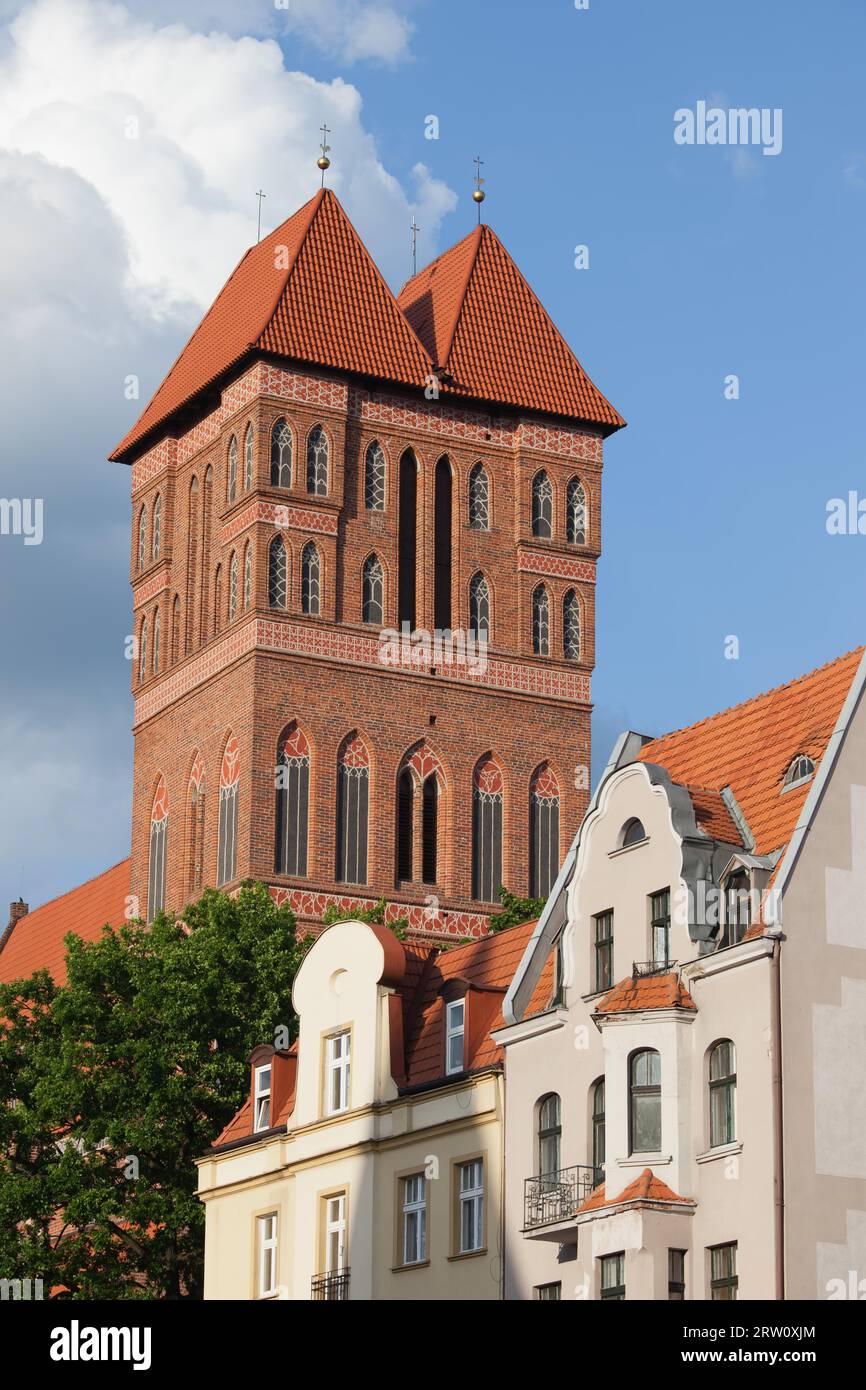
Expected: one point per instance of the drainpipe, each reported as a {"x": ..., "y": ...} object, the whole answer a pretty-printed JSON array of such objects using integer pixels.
[
  {"x": 502, "y": 1190},
  {"x": 778, "y": 1147}
]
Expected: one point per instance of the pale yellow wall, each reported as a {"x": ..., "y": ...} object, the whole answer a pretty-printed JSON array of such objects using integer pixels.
[{"x": 824, "y": 1039}]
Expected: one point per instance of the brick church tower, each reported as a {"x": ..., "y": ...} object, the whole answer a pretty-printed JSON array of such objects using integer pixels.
[{"x": 327, "y": 480}]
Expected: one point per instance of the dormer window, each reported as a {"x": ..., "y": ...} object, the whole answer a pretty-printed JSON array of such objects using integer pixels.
[
  {"x": 738, "y": 913},
  {"x": 800, "y": 770},
  {"x": 632, "y": 833},
  {"x": 337, "y": 1063},
  {"x": 455, "y": 1030},
  {"x": 262, "y": 1098}
]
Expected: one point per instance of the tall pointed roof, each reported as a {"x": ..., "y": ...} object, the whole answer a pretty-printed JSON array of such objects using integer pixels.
[
  {"x": 483, "y": 326},
  {"x": 310, "y": 291}
]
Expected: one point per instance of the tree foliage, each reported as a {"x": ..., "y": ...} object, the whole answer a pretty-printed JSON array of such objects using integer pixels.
[
  {"x": 112, "y": 1084},
  {"x": 515, "y": 910}
]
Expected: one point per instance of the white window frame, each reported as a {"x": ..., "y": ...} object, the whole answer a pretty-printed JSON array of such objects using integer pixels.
[
  {"x": 335, "y": 1225},
  {"x": 453, "y": 1031},
  {"x": 266, "y": 1237},
  {"x": 470, "y": 1193},
  {"x": 414, "y": 1232},
  {"x": 262, "y": 1093},
  {"x": 338, "y": 1060}
]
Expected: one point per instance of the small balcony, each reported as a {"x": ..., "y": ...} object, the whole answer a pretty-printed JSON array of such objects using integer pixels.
[
  {"x": 551, "y": 1199},
  {"x": 330, "y": 1287}
]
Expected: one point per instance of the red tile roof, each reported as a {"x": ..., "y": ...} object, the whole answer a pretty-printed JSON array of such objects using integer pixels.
[
  {"x": 750, "y": 747},
  {"x": 485, "y": 968},
  {"x": 36, "y": 941},
  {"x": 647, "y": 992},
  {"x": 309, "y": 291},
  {"x": 714, "y": 817},
  {"x": 483, "y": 325},
  {"x": 646, "y": 1188}
]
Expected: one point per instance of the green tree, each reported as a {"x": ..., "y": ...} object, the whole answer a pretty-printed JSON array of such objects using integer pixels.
[
  {"x": 114, "y": 1083},
  {"x": 515, "y": 910},
  {"x": 375, "y": 915}
]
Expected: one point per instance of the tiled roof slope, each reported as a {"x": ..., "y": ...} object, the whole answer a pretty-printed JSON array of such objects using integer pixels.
[
  {"x": 486, "y": 966},
  {"x": 483, "y": 325},
  {"x": 309, "y": 291},
  {"x": 646, "y": 1188},
  {"x": 647, "y": 992},
  {"x": 750, "y": 747},
  {"x": 36, "y": 941}
]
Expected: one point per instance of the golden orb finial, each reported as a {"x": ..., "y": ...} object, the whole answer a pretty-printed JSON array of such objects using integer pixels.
[
  {"x": 323, "y": 162},
  {"x": 478, "y": 194}
]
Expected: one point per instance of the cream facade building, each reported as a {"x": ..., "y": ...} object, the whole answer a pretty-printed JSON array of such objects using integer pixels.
[
  {"x": 367, "y": 1161},
  {"x": 685, "y": 1036}
]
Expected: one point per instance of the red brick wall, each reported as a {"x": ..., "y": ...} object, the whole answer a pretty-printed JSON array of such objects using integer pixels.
[{"x": 231, "y": 684}]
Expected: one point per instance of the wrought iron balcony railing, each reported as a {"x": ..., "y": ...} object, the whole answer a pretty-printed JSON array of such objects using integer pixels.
[
  {"x": 641, "y": 968},
  {"x": 331, "y": 1287},
  {"x": 555, "y": 1196}
]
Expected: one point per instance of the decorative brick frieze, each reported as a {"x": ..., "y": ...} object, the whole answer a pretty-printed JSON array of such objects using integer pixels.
[
  {"x": 162, "y": 456},
  {"x": 148, "y": 588},
  {"x": 282, "y": 515},
  {"x": 560, "y": 439},
  {"x": 556, "y": 566},
  {"x": 423, "y": 920}
]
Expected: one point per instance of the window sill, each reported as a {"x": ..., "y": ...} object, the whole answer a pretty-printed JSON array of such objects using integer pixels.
[
  {"x": 468, "y": 1255},
  {"x": 626, "y": 849},
  {"x": 652, "y": 1160},
  {"x": 417, "y": 1264},
  {"x": 721, "y": 1151}
]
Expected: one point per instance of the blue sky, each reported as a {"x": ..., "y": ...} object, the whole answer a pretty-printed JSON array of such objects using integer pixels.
[{"x": 704, "y": 262}]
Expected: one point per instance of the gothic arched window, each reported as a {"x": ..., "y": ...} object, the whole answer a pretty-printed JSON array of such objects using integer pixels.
[
  {"x": 310, "y": 580},
  {"x": 543, "y": 831},
  {"x": 277, "y": 573},
  {"x": 175, "y": 630},
  {"x": 373, "y": 605},
  {"x": 228, "y": 819},
  {"x": 156, "y": 531},
  {"x": 408, "y": 523},
  {"x": 405, "y": 826},
  {"x": 374, "y": 478},
  {"x": 479, "y": 498},
  {"x": 317, "y": 462},
  {"x": 156, "y": 634},
  {"x": 281, "y": 455},
  {"x": 233, "y": 585},
  {"x": 293, "y": 803},
  {"x": 486, "y": 830},
  {"x": 540, "y": 622},
  {"x": 248, "y": 576},
  {"x": 442, "y": 487},
  {"x": 353, "y": 805},
  {"x": 142, "y": 650},
  {"x": 195, "y": 835},
  {"x": 232, "y": 489},
  {"x": 157, "y": 854},
  {"x": 248, "y": 458},
  {"x": 571, "y": 626},
  {"x": 141, "y": 556},
  {"x": 575, "y": 513},
  {"x": 542, "y": 507},
  {"x": 479, "y": 608},
  {"x": 217, "y": 599}
]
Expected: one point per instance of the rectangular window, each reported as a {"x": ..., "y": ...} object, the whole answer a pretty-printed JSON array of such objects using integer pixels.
[
  {"x": 262, "y": 1098},
  {"x": 547, "y": 1293},
  {"x": 335, "y": 1233},
  {"x": 603, "y": 951},
  {"x": 455, "y": 1018},
  {"x": 337, "y": 1074},
  {"x": 470, "y": 1215},
  {"x": 266, "y": 1236},
  {"x": 676, "y": 1275},
  {"x": 723, "y": 1273},
  {"x": 613, "y": 1276},
  {"x": 414, "y": 1219},
  {"x": 660, "y": 926}
]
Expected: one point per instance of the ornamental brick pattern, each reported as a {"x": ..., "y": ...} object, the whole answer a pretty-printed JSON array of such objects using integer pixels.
[
  {"x": 281, "y": 516},
  {"x": 538, "y": 562}
]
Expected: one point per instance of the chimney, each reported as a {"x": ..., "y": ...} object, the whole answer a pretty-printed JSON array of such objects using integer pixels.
[{"x": 16, "y": 912}]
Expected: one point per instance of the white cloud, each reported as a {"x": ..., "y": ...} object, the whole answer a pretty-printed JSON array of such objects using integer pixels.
[{"x": 176, "y": 130}]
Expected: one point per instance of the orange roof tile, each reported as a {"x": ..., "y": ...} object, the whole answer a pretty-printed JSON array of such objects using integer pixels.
[
  {"x": 647, "y": 992},
  {"x": 483, "y": 325},
  {"x": 36, "y": 940},
  {"x": 309, "y": 291},
  {"x": 714, "y": 817},
  {"x": 750, "y": 746},
  {"x": 646, "y": 1188}
]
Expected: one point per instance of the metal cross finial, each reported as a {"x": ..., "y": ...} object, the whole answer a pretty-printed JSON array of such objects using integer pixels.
[
  {"x": 323, "y": 162},
  {"x": 260, "y": 195},
  {"x": 479, "y": 195},
  {"x": 415, "y": 230}
]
